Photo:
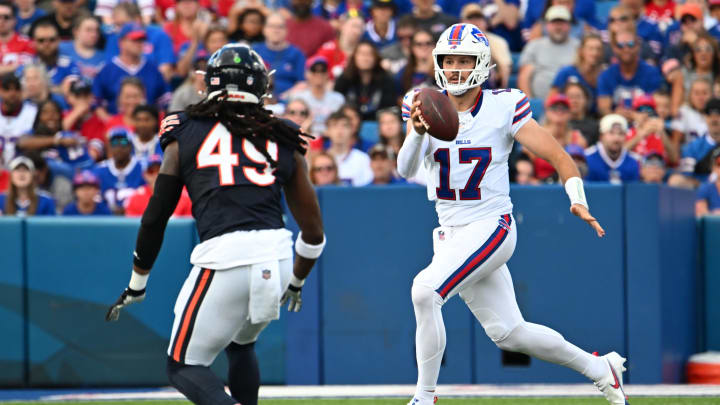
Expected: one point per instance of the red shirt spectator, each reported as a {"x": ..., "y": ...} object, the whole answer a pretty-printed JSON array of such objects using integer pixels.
[
  {"x": 662, "y": 14},
  {"x": 4, "y": 180},
  {"x": 306, "y": 31},
  {"x": 135, "y": 205},
  {"x": 651, "y": 143},
  {"x": 218, "y": 7},
  {"x": 18, "y": 50},
  {"x": 335, "y": 56},
  {"x": 646, "y": 136}
]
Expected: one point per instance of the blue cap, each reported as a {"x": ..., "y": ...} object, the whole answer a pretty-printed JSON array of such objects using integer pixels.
[
  {"x": 133, "y": 31},
  {"x": 118, "y": 133},
  {"x": 575, "y": 151},
  {"x": 85, "y": 178}
]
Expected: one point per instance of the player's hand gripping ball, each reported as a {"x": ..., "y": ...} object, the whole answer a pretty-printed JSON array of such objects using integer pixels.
[{"x": 437, "y": 114}]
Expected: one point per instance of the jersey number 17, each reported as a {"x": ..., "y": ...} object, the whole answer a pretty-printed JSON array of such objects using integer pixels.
[
  {"x": 471, "y": 191},
  {"x": 216, "y": 150}
]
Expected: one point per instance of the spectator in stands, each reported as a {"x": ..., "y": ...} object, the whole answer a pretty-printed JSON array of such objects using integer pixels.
[
  {"x": 708, "y": 195},
  {"x": 382, "y": 164},
  {"x": 660, "y": 13},
  {"x": 580, "y": 118},
  {"x": 380, "y": 30},
  {"x": 523, "y": 172},
  {"x": 621, "y": 19},
  {"x": 703, "y": 61},
  {"x": 365, "y": 83},
  {"x": 131, "y": 95},
  {"x": 696, "y": 161},
  {"x": 419, "y": 70},
  {"x": 648, "y": 132},
  {"x": 333, "y": 11},
  {"x": 682, "y": 35},
  {"x": 287, "y": 60},
  {"x": 246, "y": 24},
  {"x": 145, "y": 140},
  {"x": 81, "y": 117},
  {"x": 653, "y": 169},
  {"x": 66, "y": 151},
  {"x": 136, "y": 204},
  {"x": 499, "y": 50},
  {"x": 305, "y": 30},
  {"x": 557, "y": 118},
  {"x": 690, "y": 122},
  {"x": 85, "y": 50},
  {"x": 46, "y": 41},
  {"x": 542, "y": 58},
  {"x": 157, "y": 47},
  {"x": 27, "y": 13},
  {"x": 429, "y": 19},
  {"x": 323, "y": 170},
  {"x": 577, "y": 27},
  {"x": 86, "y": 187},
  {"x": 188, "y": 19},
  {"x": 321, "y": 100},
  {"x": 608, "y": 160},
  {"x": 36, "y": 85},
  {"x": 57, "y": 186},
  {"x": 353, "y": 164},
  {"x": 15, "y": 49},
  {"x": 192, "y": 90},
  {"x": 130, "y": 63},
  {"x": 16, "y": 116},
  {"x": 215, "y": 37},
  {"x": 577, "y": 153},
  {"x": 585, "y": 70},
  {"x": 337, "y": 51},
  {"x": 390, "y": 128},
  {"x": 104, "y": 10},
  {"x": 621, "y": 82},
  {"x": 62, "y": 17},
  {"x": 121, "y": 174},
  {"x": 353, "y": 114},
  {"x": 395, "y": 56},
  {"x": 646, "y": 29},
  {"x": 23, "y": 198},
  {"x": 298, "y": 111},
  {"x": 583, "y": 12}
]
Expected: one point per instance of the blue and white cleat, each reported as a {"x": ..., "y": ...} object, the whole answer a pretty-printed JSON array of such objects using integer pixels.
[
  {"x": 612, "y": 384},
  {"x": 416, "y": 401}
]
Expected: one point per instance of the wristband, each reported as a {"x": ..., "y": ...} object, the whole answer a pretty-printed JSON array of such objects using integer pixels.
[
  {"x": 575, "y": 190},
  {"x": 307, "y": 250},
  {"x": 138, "y": 281},
  {"x": 297, "y": 282}
]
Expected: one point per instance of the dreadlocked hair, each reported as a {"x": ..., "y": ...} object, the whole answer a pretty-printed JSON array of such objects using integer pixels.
[{"x": 252, "y": 122}]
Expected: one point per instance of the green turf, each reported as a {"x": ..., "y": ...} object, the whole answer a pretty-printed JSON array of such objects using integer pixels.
[{"x": 445, "y": 401}]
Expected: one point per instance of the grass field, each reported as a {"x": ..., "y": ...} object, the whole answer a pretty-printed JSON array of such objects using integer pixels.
[{"x": 448, "y": 401}]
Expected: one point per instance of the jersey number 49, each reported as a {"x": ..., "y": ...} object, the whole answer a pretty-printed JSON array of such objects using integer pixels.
[{"x": 216, "y": 150}]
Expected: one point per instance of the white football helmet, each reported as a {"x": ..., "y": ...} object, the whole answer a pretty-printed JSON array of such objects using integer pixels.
[{"x": 462, "y": 39}]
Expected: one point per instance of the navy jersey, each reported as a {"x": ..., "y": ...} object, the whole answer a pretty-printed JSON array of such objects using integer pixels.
[{"x": 230, "y": 182}]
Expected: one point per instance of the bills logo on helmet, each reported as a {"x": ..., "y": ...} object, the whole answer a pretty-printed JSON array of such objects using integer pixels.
[
  {"x": 455, "y": 36},
  {"x": 479, "y": 36}
]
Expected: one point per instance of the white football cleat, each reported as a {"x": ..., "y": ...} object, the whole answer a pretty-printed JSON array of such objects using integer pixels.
[
  {"x": 612, "y": 384},
  {"x": 416, "y": 401}
]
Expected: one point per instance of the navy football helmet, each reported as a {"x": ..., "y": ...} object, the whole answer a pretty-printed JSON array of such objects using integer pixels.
[{"x": 238, "y": 69}]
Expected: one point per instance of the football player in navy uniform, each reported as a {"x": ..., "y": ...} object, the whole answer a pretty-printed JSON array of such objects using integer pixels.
[{"x": 235, "y": 160}]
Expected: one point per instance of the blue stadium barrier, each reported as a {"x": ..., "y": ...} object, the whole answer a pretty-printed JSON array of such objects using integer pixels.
[
  {"x": 369, "y": 131},
  {"x": 660, "y": 235},
  {"x": 711, "y": 281},
  {"x": 12, "y": 314}
]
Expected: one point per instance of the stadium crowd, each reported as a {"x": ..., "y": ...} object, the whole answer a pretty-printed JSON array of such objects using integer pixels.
[{"x": 633, "y": 96}]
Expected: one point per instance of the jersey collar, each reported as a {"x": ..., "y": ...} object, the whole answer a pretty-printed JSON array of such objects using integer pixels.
[
  {"x": 613, "y": 164},
  {"x": 478, "y": 103},
  {"x": 125, "y": 171}
]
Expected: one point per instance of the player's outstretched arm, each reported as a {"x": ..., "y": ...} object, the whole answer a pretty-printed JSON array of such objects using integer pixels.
[
  {"x": 303, "y": 204},
  {"x": 168, "y": 188},
  {"x": 544, "y": 145}
]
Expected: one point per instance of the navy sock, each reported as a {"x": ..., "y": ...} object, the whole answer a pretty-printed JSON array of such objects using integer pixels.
[
  {"x": 198, "y": 384},
  {"x": 243, "y": 373}
]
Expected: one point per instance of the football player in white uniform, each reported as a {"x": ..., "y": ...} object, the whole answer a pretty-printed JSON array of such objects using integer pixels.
[{"x": 468, "y": 179}]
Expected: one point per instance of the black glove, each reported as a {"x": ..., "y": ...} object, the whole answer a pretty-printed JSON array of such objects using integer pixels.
[
  {"x": 129, "y": 296},
  {"x": 294, "y": 295}
]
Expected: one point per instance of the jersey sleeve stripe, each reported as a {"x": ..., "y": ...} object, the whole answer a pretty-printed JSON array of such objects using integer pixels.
[
  {"x": 521, "y": 104},
  {"x": 521, "y": 116}
]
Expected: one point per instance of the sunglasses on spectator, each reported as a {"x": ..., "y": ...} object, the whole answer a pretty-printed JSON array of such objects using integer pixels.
[
  {"x": 323, "y": 168},
  {"x": 622, "y": 18},
  {"x": 627, "y": 44},
  {"x": 688, "y": 19},
  {"x": 6, "y": 17},
  {"x": 44, "y": 40},
  {"x": 703, "y": 48},
  {"x": 647, "y": 110},
  {"x": 562, "y": 108},
  {"x": 426, "y": 44},
  {"x": 303, "y": 113},
  {"x": 319, "y": 69},
  {"x": 119, "y": 142}
]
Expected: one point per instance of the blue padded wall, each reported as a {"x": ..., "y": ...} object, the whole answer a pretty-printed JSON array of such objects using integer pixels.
[
  {"x": 12, "y": 339},
  {"x": 711, "y": 281}
]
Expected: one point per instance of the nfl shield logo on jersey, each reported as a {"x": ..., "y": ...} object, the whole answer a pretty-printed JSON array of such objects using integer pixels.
[
  {"x": 441, "y": 235},
  {"x": 266, "y": 274}
]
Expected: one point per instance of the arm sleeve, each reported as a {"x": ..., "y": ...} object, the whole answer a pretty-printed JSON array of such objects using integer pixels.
[
  {"x": 411, "y": 154},
  {"x": 522, "y": 113},
  {"x": 154, "y": 220}
]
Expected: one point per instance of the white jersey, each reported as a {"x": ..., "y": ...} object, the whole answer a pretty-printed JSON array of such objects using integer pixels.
[
  {"x": 13, "y": 127},
  {"x": 468, "y": 178}
]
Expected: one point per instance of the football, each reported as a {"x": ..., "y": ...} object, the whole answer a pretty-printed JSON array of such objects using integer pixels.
[{"x": 438, "y": 114}]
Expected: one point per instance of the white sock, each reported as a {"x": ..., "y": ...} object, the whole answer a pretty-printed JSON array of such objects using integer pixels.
[{"x": 429, "y": 338}]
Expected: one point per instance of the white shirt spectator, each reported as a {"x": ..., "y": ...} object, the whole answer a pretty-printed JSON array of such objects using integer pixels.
[
  {"x": 690, "y": 122},
  {"x": 321, "y": 108},
  {"x": 13, "y": 127},
  {"x": 354, "y": 168},
  {"x": 104, "y": 8}
]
